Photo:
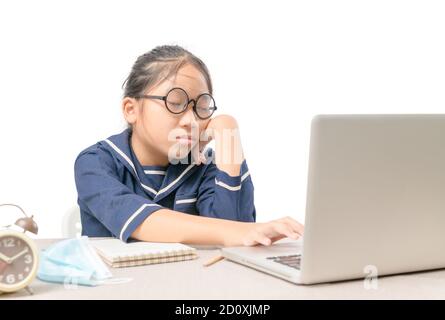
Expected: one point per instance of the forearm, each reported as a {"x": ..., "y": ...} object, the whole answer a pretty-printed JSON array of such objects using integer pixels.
[
  {"x": 229, "y": 151},
  {"x": 167, "y": 225}
]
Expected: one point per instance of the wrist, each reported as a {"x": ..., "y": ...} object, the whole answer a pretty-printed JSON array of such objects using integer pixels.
[
  {"x": 222, "y": 122},
  {"x": 235, "y": 234}
]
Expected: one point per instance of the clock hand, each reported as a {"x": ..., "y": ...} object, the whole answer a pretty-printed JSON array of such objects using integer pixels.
[
  {"x": 18, "y": 255},
  {"x": 3, "y": 266},
  {"x": 5, "y": 258}
]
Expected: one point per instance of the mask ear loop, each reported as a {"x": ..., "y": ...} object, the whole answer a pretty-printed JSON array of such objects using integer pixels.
[
  {"x": 93, "y": 257},
  {"x": 115, "y": 281},
  {"x": 109, "y": 281}
]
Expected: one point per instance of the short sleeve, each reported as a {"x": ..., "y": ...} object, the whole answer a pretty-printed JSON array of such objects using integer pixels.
[
  {"x": 110, "y": 201},
  {"x": 223, "y": 196}
]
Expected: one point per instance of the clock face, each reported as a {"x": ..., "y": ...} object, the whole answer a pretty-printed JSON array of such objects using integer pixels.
[{"x": 17, "y": 261}]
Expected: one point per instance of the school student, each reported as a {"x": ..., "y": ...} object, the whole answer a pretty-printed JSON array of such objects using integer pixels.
[{"x": 155, "y": 181}]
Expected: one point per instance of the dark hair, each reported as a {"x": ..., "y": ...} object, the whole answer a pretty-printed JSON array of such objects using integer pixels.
[{"x": 159, "y": 64}]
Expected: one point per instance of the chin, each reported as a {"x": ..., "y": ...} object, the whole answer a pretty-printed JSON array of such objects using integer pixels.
[{"x": 177, "y": 152}]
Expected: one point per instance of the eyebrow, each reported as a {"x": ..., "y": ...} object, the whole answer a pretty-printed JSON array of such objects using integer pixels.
[{"x": 176, "y": 86}]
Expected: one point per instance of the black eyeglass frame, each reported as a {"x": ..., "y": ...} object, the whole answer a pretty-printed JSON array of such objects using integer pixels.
[{"x": 164, "y": 98}]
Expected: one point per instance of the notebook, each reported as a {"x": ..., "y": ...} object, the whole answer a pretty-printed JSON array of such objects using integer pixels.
[{"x": 118, "y": 254}]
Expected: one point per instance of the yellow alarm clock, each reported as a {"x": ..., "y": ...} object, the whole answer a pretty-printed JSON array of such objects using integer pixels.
[{"x": 19, "y": 256}]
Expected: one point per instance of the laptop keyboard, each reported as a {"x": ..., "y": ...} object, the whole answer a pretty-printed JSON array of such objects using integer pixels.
[{"x": 292, "y": 261}]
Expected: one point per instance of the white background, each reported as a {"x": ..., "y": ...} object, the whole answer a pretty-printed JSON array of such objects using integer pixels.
[{"x": 274, "y": 64}]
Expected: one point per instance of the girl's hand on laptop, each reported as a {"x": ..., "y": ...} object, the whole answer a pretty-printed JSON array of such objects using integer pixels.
[{"x": 269, "y": 232}]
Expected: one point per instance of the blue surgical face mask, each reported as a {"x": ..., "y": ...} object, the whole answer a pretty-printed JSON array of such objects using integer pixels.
[{"x": 73, "y": 261}]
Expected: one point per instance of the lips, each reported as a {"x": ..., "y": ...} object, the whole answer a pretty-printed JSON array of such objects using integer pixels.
[{"x": 186, "y": 139}]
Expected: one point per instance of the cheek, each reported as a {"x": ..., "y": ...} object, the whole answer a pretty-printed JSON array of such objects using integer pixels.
[{"x": 157, "y": 126}]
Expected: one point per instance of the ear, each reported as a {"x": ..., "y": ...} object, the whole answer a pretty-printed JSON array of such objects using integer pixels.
[{"x": 130, "y": 109}]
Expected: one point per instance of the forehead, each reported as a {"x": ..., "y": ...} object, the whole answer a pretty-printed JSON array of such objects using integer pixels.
[{"x": 188, "y": 78}]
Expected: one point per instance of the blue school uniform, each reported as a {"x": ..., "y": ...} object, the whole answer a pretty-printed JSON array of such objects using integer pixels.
[{"x": 116, "y": 193}]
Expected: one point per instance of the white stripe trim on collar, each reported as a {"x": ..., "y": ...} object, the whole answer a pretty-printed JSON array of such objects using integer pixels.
[
  {"x": 123, "y": 155},
  {"x": 160, "y": 172},
  {"x": 149, "y": 189},
  {"x": 176, "y": 180},
  {"x": 186, "y": 201},
  {"x": 134, "y": 215},
  {"x": 231, "y": 188}
]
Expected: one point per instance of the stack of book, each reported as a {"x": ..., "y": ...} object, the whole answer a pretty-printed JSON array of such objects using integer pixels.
[{"x": 118, "y": 254}]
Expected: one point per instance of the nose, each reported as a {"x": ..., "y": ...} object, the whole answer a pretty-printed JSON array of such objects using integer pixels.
[{"x": 189, "y": 117}]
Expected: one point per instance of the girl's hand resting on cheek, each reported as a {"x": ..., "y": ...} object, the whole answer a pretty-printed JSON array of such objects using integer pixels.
[{"x": 214, "y": 130}]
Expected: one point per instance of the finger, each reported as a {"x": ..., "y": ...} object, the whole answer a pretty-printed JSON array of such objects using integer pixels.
[
  {"x": 248, "y": 242},
  {"x": 275, "y": 239},
  {"x": 286, "y": 230},
  {"x": 257, "y": 241},
  {"x": 262, "y": 239},
  {"x": 294, "y": 224},
  {"x": 265, "y": 241},
  {"x": 253, "y": 239}
]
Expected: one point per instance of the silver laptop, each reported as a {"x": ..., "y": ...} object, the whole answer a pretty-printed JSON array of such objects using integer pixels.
[{"x": 375, "y": 202}]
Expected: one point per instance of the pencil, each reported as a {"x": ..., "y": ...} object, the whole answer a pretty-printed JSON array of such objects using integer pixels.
[{"x": 213, "y": 260}]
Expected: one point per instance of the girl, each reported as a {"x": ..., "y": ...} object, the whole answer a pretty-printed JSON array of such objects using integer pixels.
[{"x": 152, "y": 182}]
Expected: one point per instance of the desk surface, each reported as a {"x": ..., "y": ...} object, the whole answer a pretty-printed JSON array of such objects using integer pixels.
[{"x": 228, "y": 280}]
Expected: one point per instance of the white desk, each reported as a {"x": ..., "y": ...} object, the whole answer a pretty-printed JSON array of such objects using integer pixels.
[{"x": 228, "y": 280}]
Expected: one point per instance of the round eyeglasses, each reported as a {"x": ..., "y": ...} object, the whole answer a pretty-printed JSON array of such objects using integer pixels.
[{"x": 177, "y": 100}]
